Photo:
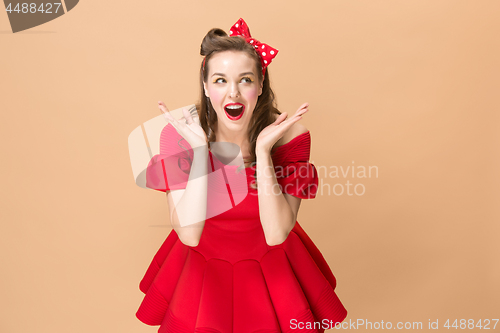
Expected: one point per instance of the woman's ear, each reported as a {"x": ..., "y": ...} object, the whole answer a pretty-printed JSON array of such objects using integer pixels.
[
  {"x": 205, "y": 89},
  {"x": 260, "y": 90}
]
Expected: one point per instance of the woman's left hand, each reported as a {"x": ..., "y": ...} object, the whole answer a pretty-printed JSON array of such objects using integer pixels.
[{"x": 272, "y": 133}]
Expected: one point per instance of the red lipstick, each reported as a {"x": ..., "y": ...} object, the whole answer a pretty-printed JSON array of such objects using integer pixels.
[{"x": 234, "y": 111}]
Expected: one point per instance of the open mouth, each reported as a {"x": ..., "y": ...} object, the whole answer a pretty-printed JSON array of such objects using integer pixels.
[{"x": 234, "y": 111}]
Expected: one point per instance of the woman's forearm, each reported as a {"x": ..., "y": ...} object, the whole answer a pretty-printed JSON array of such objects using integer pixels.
[
  {"x": 190, "y": 207},
  {"x": 276, "y": 215}
]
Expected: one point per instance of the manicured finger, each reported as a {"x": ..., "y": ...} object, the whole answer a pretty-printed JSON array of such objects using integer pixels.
[
  {"x": 282, "y": 117},
  {"x": 166, "y": 114},
  {"x": 301, "y": 112},
  {"x": 187, "y": 115},
  {"x": 304, "y": 105},
  {"x": 162, "y": 105}
]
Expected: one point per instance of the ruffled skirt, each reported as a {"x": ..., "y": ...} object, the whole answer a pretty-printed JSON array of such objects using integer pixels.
[{"x": 290, "y": 287}]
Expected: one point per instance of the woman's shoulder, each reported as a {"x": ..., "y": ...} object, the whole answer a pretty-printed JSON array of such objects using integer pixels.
[{"x": 295, "y": 130}]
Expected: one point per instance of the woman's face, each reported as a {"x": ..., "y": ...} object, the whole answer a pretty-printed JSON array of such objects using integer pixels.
[{"x": 233, "y": 88}]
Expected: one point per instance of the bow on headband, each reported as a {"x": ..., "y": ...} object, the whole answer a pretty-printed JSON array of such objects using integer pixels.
[{"x": 265, "y": 52}]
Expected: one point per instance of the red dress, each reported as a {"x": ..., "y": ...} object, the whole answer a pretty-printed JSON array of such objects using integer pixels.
[{"x": 232, "y": 281}]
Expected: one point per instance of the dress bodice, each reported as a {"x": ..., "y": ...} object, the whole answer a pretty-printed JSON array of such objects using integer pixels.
[{"x": 170, "y": 169}]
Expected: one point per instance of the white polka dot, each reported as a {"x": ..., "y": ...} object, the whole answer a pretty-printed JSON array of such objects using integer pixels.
[
  {"x": 264, "y": 54},
  {"x": 265, "y": 61},
  {"x": 236, "y": 25},
  {"x": 272, "y": 52},
  {"x": 230, "y": 32},
  {"x": 251, "y": 42},
  {"x": 256, "y": 46},
  {"x": 263, "y": 46}
]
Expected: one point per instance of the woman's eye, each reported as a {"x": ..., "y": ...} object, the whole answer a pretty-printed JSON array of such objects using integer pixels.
[{"x": 245, "y": 79}]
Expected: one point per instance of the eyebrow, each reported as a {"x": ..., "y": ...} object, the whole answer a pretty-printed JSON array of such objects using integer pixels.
[{"x": 246, "y": 73}]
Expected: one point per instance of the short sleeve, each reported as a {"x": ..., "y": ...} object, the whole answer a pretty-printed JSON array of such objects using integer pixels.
[
  {"x": 169, "y": 170},
  {"x": 295, "y": 174}
]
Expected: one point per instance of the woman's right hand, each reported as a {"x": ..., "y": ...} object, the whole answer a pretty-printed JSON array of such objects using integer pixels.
[{"x": 191, "y": 131}]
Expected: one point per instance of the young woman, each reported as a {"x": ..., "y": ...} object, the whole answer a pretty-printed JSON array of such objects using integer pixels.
[{"x": 251, "y": 268}]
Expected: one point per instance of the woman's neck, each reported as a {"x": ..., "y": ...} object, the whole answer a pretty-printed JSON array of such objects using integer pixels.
[{"x": 238, "y": 138}]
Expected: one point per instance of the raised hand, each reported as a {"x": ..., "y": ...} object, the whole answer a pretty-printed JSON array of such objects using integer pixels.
[
  {"x": 272, "y": 133},
  {"x": 190, "y": 130}
]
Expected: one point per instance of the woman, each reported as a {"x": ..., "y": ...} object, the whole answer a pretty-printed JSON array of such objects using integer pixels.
[{"x": 252, "y": 267}]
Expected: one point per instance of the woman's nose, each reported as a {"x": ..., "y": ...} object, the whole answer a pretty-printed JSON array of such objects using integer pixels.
[{"x": 234, "y": 91}]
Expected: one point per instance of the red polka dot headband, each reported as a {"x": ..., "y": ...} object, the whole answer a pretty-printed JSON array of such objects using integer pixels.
[{"x": 266, "y": 53}]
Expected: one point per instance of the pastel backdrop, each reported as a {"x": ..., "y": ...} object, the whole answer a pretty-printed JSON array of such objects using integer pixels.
[{"x": 409, "y": 88}]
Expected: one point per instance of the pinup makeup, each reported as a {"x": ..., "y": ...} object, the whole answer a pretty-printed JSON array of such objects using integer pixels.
[{"x": 234, "y": 111}]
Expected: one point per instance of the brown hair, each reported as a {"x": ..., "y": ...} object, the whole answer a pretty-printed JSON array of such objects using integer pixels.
[{"x": 216, "y": 40}]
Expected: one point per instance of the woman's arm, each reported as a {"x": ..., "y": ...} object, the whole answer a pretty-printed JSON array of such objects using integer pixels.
[
  {"x": 188, "y": 207},
  {"x": 278, "y": 211}
]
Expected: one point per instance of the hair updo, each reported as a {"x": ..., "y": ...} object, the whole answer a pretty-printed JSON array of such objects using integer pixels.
[
  {"x": 216, "y": 40},
  {"x": 265, "y": 112}
]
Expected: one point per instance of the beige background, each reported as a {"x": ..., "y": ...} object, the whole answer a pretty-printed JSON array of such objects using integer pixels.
[{"x": 410, "y": 87}]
